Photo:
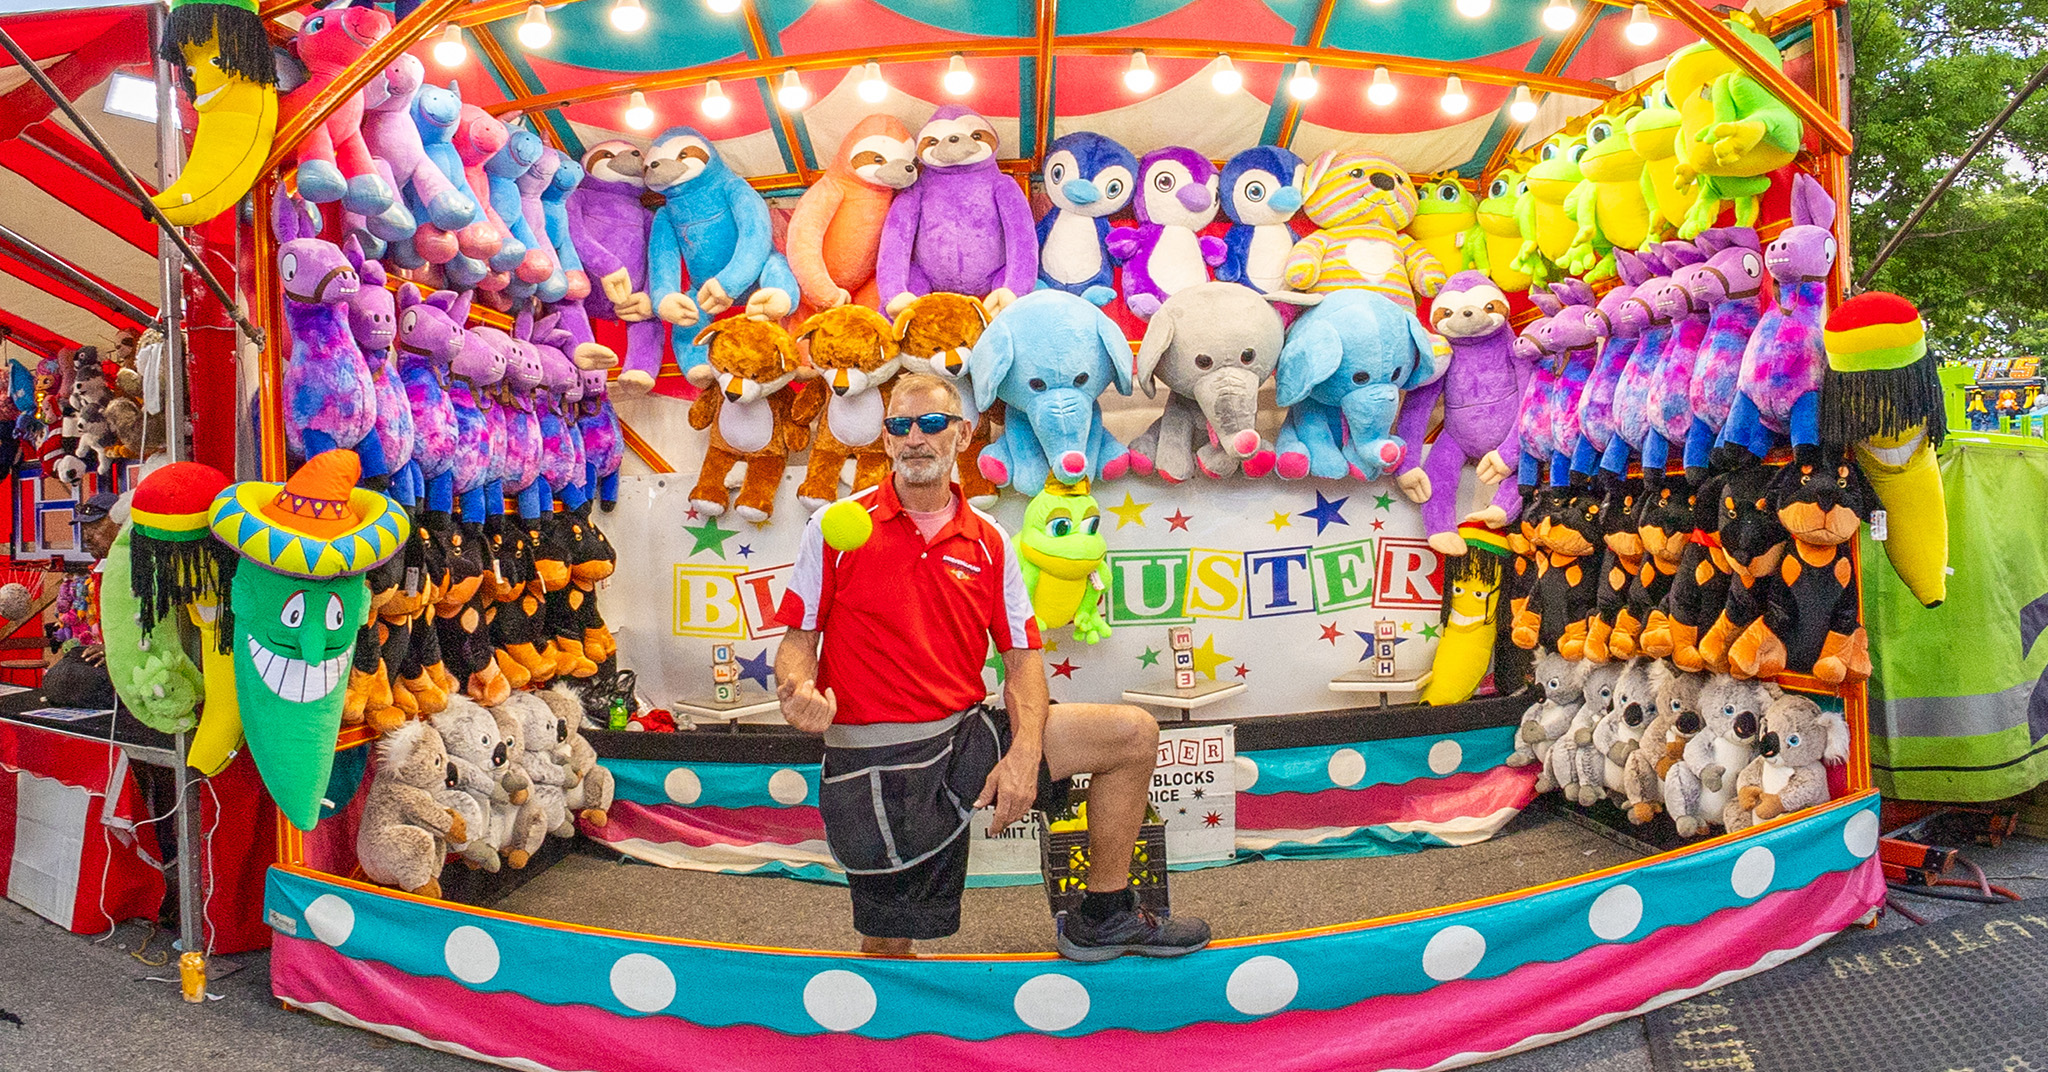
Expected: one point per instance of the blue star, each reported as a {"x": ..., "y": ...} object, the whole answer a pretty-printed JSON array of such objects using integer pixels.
[
  {"x": 746, "y": 551},
  {"x": 1327, "y": 513},
  {"x": 1368, "y": 638},
  {"x": 756, "y": 669}
]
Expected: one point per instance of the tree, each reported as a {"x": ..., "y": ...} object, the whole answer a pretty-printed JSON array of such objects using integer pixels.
[{"x": 1929, "y": 76}]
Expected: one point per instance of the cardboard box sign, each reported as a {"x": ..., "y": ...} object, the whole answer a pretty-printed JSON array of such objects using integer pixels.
[
  {"x": 725, "y": 673},
  {"x": 1063, "y": 857},
  {"x": 725, "y": 692}
]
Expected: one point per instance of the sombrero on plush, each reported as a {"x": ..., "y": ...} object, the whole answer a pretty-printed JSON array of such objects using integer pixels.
[{"x": 317, "y": 524}]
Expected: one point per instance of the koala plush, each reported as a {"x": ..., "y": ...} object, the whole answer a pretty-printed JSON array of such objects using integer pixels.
[
  {"x": 1547, "y": 719},
  {"x": 545, "y": 760},
  {"x": 1790, "y": 771},
  {"x": 1620, "y": 732},
  {"x": 518, "y": 829},
  {"x": 485, "y": 775},
  {"x": 406, "y": 828},
  {"x": 1574, "y": 765},
  {"x": 1699, "y": 788},
  {"x": 591, "y": 797},
  {"x": 1676, "y": 722}
]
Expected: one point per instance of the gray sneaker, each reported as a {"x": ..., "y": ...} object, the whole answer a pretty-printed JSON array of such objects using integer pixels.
[{"x": 1133, "y": 930}]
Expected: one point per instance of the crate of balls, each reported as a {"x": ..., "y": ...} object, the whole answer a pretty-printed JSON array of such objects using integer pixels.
[{"x": 1063, "y": 858}]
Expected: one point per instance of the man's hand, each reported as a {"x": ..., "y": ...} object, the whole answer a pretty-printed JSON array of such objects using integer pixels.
[
  {"x": 1011, "y": 787},
  {"x": 804, "y": 707}
]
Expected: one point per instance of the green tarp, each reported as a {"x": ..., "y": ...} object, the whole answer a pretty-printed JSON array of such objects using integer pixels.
[{"x": 1958, "y": 699}]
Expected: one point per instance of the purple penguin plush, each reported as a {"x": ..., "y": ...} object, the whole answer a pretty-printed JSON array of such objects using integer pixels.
[
  {"x": 1779, "y": 383},
  {"x": 373, "y": 320},
  {"x": 1623, "y": 323},
  {"x": 1166, "y": 253},
  {"x": 1481, "y": 393},
  {"x": 430, "y": 335},
  {"x": 608, "y": 225},
  {"x": 329, "y": 398},
  {"x": 964, "y": 227},
  {"x": 1731, "y": 286}
]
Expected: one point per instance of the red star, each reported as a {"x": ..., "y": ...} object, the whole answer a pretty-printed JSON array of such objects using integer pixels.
[
  {"x": 1064, "y": 668},
  {"x": 1178, "y": 520},
  {"x": 1377, "y": 524},
  {"x": 1243, "y": 670},
  {"x": 1331, "y": 633},
  {"x": 691, "y": 514},
  {"x": 1212, "y": 819}
]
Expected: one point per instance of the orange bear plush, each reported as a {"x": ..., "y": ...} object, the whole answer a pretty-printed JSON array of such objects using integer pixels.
[
  {"x": 748, "y": 365},
  {"x": 853, "y": 355}
]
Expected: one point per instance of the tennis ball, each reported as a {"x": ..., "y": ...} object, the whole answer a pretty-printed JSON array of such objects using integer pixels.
[{"x": 846, "y": 525}]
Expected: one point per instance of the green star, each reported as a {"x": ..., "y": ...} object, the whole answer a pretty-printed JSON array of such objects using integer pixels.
[
  {"x": 995, "y": 660},
  {"x": 1150, "y": 658},
  {"x": 1429, "y": 631},
  {"x": 1384, "y": 502},
  {"x": 709, "y": 537}
]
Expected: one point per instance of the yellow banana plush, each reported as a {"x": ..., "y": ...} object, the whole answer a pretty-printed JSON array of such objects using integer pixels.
[
  {"x": 1471, "y": 601},
  {"x": 219, "y": 734},
  {"x": 1907, "y": 481},
  {"x": 233, "y": 83}
]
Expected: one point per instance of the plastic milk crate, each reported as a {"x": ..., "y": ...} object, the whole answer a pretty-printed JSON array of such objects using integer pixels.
[{"x": 1063, "y": 859}]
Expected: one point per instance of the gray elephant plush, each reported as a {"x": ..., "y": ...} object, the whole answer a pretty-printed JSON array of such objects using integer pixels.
[{"x": 1212, "y": 345}]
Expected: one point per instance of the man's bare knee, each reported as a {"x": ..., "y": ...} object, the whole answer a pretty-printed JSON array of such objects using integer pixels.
[{"x": 1136, "y": 736}]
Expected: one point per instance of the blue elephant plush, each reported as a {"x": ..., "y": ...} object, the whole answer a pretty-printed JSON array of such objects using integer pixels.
[
  {"x": 715, "y": 227},
  {"x": 1088, "y": 178},
  {"x": 1342, "y": 372},
  {"x": 1049, "y": 357}
]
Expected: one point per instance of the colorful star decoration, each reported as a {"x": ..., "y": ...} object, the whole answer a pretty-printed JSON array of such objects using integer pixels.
[
  {"x": 1383, "y": 502},
  {"x": 1378, "y": 524},
  {"x": 691, "y": 514},
  {"x": 1331, "y": 633},
  {"x": 1177, "y": 521},
  {"x": 1131, "y": 512},
  {"x": 1279, "y": 521},
  {"x": 995, "y": 662},
  {"x": 746, "y": 550},
  {"x": 1327, "y": 513},
  {"x": 1064, "y": 668},
  {"x": 756, "y": 668},
  {"x": 1243, "y": 670},
  {"x": 1429, "y": 632},
  {"x": 708, "y": 537},
  {"x": 1368, "y": 638},
  {"x": 1212, "y": 819},
  {"x": 1207, "y": 659},
  {"x": 1150, "y": 658}
]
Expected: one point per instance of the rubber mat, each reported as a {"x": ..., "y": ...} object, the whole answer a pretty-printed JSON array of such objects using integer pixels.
[{"x": 1967, "y": 993}]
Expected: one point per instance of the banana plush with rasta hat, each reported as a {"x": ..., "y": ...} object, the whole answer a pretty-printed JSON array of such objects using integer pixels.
[
  {"x": 231, "y": 77},
  {"x": 1471, "y": 616}
]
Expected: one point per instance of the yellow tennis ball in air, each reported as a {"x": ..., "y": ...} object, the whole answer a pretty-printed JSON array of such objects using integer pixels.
[{"x": 846, "y": 525}]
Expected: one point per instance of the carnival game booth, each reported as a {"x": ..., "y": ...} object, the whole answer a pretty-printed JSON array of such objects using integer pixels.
[{"x": 1438, "y": 232}]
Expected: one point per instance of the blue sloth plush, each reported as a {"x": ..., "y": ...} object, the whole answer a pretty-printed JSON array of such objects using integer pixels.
[
  {"x": 1089, "y": 178},
  {"x": 1049, "y": 357},
  {"x": 1341, "y": 374},
  {"x": 1261, "y": 191},
  {"x": 714, "y": 230}
]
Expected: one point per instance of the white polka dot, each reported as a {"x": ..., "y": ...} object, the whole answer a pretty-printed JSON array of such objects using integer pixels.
[
  {"x": 1453, "y": 952},
  {"x": 1444, "y": 756},
  {"x": 1753, "y": 871},
  {"x": 643, "y": 983},
  {"x": 1261, "y": 985},
  {"x": 839, "y": 1000},
  {"x": 788, "y": 787},
  {"x": 1347, "y": 767},
  {"x": 1615, "y": 913},
  {"x": 471, "y": 954},
  {"x": 1247, "y": 773},
  {"x": 331, "y": 918},
  {"x": 1052, "y": 1002},
  {"x": 683, "y": 785},
  {"x": 1859, "y": 834}
]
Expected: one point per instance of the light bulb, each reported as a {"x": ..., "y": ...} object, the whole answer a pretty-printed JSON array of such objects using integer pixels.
[
  {"x": 792, "y": 96},
  {"x": 1454, "y": 100},
  {"x": 1559, "y": 15},
  {"x": 638, "y": 115},
  {"x": 534, "y": 31},
  {"x": 1139, "y": 78},
  {"x": 1226, "y": 80},
  {"x": 1473, "y": 9},
  {"x": 722, "y": 7},
  {"x": 449, "y": 51},
  {"x": 1379, "y": 3},
  {"x": 1641, "y": 30},
  {"x": 1521, "y": 108},
  {"x": 959, "y": 81},
  {"x": 871, "y": 88},
  {"x": 1382, "y": 91},
  {"x": 715, "y": 104},
  {"x": 628, "y": 16},
  {"x": 1303, "y": 85}
]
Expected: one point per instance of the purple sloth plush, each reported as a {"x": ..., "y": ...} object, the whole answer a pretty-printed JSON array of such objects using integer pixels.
[
  {"x": 373, "y": 320},
  {"x": 608, "y": 225},
  {"x": 1481, "y": 393},
  {"x": 430, "y": 335},
  {"x": 964, "y": 227},
  {"x": 329, "y": 399},
  {"x": 1622, "y": 323},
  {"x": 1165, "y": 253},
  {"x": 1731, "y": 286}
]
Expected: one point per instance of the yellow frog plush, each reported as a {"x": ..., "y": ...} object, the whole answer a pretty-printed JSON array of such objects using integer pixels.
[{"x": 1733, "y": 131}]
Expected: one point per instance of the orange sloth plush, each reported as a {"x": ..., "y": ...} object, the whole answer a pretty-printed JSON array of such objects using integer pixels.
[
  {"x": 853, "y": 355},
  {"x": 752, "y": 415}
]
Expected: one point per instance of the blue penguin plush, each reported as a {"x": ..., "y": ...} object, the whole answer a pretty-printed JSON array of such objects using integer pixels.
[
  {"x": 1261, "y": 190},
  {"x": 1089, "y": 178},
  {"x": 714, "y": 231}
]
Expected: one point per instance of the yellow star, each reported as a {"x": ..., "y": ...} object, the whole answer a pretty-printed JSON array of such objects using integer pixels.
[
  {"x": 1279, "y": 521},
  {"x": 1207, "y": 659},
  {"x": 1051, "y": 646},
  {"x": 1407, "y": 627},
  {"x": 1130, "y": 513}
]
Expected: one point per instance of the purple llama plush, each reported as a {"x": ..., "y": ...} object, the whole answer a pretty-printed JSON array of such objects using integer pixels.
[
  {"x": 430, "y": 335},
  {"x": 1622, "y": 323},
  {"x": 1531, "y": 441},
  {"x": 523, "y": 378},
  {"x": 602, "y": 451},
  {"x": 1731, "y": 286},
  {"x": 1635, "y": 426},
  {"x": 329, "y": 399},
  {"x": 561, "y": 390},
  {"x": 1577, "y": 330},
  {"x": 373, "y": 320},
  {"x": 1166, "y": 252},
  {"x": 1670, "y": 392},
  {"x": 473, "y": 378},
  {"x": 608, "y": 226},
  {"x": 1779, "y": 383},
  {"x": 1481, "y": 393}
]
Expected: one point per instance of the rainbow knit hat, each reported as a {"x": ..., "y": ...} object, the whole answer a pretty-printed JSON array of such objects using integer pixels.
[{"x": 1873, "y": 332}]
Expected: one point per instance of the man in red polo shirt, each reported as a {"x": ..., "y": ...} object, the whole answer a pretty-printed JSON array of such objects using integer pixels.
[{"x": 884, "y": 657}]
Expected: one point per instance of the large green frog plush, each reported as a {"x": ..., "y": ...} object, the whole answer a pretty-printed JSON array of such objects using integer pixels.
[
  {"x": 1060, "y": 550},
  {"x": 1733, "y": 131},
  {"x": 1547, "y": 232},
  {"x": 1502, "y": 229},
  {"x": 1447, "y": 223},
  {"x": 1608, "y": 203},
  {"x": 1653, "y": 134}
]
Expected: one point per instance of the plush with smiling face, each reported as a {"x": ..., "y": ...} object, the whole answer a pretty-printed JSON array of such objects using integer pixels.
[
  {"x": 713, "y": 231},
  {"x": 1060, "y": 549},
  {"x": 964, "y": 226},
  {"x": 1447, "y": 222},
  {"x": 1362, "y": 200},
  {"x": 751, "y": 417},
  {"x": 836, "y": 230},
  {"x": 1164, "y": 255}
]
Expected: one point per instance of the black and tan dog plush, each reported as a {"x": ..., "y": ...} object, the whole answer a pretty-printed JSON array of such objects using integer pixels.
[
  {"x": 1618, "y": 567},
  {"x": 1751, "y": 541},
  {"x": 1664, "y": 526},
  {"x": 1567, "y": 538},
  {"x": 1810, "y": 621}
]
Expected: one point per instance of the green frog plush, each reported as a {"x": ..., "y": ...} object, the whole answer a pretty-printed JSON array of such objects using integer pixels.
[
  {"x": 1547, "y": 232},
  {"x": 1502, "y": 229},
  {"x": 1733, "y": 132},
  {"x": 1608, "y": 204},
  {"x": 1060, "y": 551},
  {"x": 1447, "y": 223},
  {"x": 1653, "y": 134}
]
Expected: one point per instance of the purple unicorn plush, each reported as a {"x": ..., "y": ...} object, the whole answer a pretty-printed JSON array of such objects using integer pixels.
[
  {"x": 1623, "y": 323},
  {"x": 1779, "y": 383},
  {"x": 435, "y": 113},
  {"x": 373, "y": 320},
  {"x": 329, "y": 399},
  {"x": 474, "y": 384},
  {"x": 1576, "y": 331},
  {"x": 430, "y": 335},
  {"x": 608, "y": 225},
  {"x": 601, "y": 448},
  {"x": 1731, "y": 286},
  {"x": 1670, "y": 400},
  {"x": 1165, "y": 253},
  {"x": 1480, "y": 393},
  {"x": 963, "y": 227}
]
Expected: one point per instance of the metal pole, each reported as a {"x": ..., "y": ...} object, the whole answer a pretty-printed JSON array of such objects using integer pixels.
[
  {"x": 63, "y": 269},
  {"x": 149, "y": 208}
]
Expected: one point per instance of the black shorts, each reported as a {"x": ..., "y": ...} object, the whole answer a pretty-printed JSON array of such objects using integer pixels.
[{"x": 922, "y": 900}]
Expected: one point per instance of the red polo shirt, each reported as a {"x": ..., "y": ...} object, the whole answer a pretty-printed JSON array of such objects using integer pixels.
[{"x": 906, "y": 625}]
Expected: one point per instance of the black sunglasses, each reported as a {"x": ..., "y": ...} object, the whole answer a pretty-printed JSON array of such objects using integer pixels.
[{"x": 929, "y": 423}]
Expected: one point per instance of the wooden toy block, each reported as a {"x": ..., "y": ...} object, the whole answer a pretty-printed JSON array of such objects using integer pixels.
[
  {"x": 721, "y": 653},
  {"x": 1383, "y": 668},
  {"x": 1183, "y": 659},
  {"x": 1181, "y": 638},
  {"x": 726, "y": 692},
  {"x": 1183, "y": 679},
  {"x": 1383, "y": 629},
  {"x": 725, "y": 673}
]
